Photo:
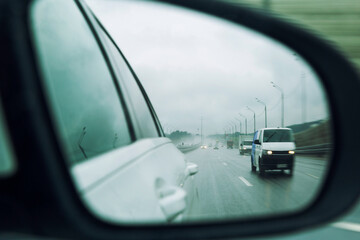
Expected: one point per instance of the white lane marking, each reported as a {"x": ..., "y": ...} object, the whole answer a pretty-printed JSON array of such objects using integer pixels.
[
  {"x": 312, "y": 176},
  {"x": 225, "y": 164},
  {"x": 355, "y": 227},
  {"x": 245, "y": 181}
]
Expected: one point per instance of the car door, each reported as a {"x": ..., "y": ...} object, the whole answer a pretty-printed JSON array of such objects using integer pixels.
[
  {"x": 170, "y": 172},
  {"x": 122, "y": 166}
]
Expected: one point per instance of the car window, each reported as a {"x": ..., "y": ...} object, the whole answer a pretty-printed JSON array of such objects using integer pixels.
[
  {"x": 278, "y": 136},
  {"x": 81, "y": 92},
  {"x": 145, "y": 121},
  {"x": 7, "y": 162}
]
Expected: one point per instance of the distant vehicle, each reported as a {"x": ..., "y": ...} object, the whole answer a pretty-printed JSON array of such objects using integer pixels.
[
  {"x": 245, "y": 147},
  {"x": 273, "y": 148},
  {"x": 203, "y": 147},
  {"x": 216, "y": 148},
  {"x": 230, "y": 144}
]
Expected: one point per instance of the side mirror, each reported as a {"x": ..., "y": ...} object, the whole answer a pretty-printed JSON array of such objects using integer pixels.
[
  {"x": 133, "y": 191},
  {"x": 192, "y": 168}
]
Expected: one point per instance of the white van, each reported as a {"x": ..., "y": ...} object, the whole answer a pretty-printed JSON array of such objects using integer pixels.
[{"x": 273, "y": 148}]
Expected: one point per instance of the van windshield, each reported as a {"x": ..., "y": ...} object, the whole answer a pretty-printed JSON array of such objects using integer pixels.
[
  {"x": 247, "y": 142},
  {"x": 278, "y": 135}
]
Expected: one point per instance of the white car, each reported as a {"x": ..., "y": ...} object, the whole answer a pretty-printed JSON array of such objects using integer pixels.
[
  {"x": 124, "y": 167},
  {"x": 245, "y": 147},
  {"x": 273, "y": 148}
]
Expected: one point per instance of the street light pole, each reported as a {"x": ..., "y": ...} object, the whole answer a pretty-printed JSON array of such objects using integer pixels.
[
  {"x": 259, "y": 101},
  {"x": 245, "y": 122},
  {"x": 235, "y": 130},
  {"x": 235, "y": 127},
  {"x": 231, "y": 128},
  {"x": 282, "y": 102},
  {"x": 239, "y": 124},
  {"x": 254, "y": 117},
  {"x": 201, "y": 134}
]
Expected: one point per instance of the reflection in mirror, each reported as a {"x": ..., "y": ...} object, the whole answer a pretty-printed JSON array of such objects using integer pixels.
[
  {"x": 247, "y": 117},
  {"x": 192, "y": 168}
]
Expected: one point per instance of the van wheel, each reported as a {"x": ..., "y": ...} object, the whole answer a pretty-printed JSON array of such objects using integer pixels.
[
  {"x": 291, "y": 172},
  {"x": 261, "y": 169}
]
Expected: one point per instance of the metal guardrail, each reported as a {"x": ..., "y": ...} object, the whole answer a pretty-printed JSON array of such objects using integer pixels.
[
  {"x": 320, "y": 149},
  {"x": 185, "y": 149}
]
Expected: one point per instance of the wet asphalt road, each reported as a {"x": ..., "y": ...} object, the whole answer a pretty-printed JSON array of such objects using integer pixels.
[{"x": 226, "y": 188}]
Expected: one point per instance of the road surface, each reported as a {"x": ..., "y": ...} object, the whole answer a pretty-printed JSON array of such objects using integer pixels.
[{"x": 226, "y": 188}]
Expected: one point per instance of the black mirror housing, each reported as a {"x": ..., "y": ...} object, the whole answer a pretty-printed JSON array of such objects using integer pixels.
[{"x": 44, "y": 183}]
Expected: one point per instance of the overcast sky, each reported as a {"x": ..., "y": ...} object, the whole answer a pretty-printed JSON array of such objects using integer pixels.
[{"x": 193, "y": 65}]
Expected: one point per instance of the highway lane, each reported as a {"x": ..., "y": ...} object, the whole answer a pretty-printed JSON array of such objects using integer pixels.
[{"x": 225, "y": 187}]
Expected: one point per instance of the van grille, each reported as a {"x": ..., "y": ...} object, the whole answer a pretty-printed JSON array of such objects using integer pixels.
[{"x": 280, "y": 152}]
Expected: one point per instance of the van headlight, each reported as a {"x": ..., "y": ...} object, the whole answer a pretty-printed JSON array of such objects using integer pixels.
[
  {"x": 267, "y": 152},
  {"x": 291, "y": 152}
]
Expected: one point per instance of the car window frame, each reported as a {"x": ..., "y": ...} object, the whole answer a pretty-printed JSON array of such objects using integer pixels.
[
  {"x": 101, "y": 30},
  {"x": 140, "y": 132},
  {"x": 123, "y": 106},
  {"x": 119, "y": 89}
]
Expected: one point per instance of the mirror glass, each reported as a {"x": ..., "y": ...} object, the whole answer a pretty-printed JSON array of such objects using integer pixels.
[{"x": 246, "y": 126}]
